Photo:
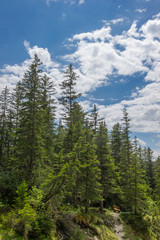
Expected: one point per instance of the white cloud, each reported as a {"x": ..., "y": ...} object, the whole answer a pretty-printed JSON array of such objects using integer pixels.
[
  {"x": 118, "y": 20},
  {"x": 100, "y": 55},
  {"x": 151, "y": 28},
  {"x": 81, "y": 2},
  {"x": 133, "y": 32},
  {"x": 86, "y": 105},
  {"x": 141, "y": 10},
  {"x": 10, "y": 75},
  {"x": 141, "y": 142},
  {"x": 71, "y": 2},
  {"x": 114, "y": 21},
  {"x": 157, "y": 15},
  {"x": 100, "y": 34},
  {"x": 42, "y": 53},
  {"x": 95, "y": 49}
]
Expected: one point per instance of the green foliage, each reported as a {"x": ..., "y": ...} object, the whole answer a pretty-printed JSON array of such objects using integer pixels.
[
  {"x": 83, "y": 225},
  {"x": 78, "y": 163},
  {"x": 136, "y": 227},
  {"x": 157, "y": 180},
  {"x": 151, "y": 215},
  {"x": 67, "y": 228},
  {"x": 21, "y": 218},
  {"x": 29, "y": 215},
  {"x": 116, "y": 142},
  {"x": 108, "y": 174},
  {"x": 90, "y": 187},
  {"x": 22, "y": 195},
  {"x": 138, "y": 187},
  {"x": 143, "y": 226}
]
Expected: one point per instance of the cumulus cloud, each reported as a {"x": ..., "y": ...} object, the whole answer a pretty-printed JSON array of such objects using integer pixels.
[
  {"x": 42, "y": 53},
  {"x": 143, "y": 109},
  {"x": 10, "y": 75},
  {"x": 101, "y": 55},
  {"x": 151, "y": 28},
  {"x": 141, "y": 142}
]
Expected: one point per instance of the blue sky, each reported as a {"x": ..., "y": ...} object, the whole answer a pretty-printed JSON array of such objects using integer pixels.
[{"x": 114, "y": 46}]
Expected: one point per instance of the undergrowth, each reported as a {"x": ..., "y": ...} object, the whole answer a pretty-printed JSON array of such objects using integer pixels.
[
  {"x": 69, "y": 224},
  {"x": 135, "y": 227},
  {"x": 78, "y": 225}
]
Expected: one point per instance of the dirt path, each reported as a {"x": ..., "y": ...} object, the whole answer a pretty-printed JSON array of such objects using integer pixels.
[{"x": 118, "y": 228}]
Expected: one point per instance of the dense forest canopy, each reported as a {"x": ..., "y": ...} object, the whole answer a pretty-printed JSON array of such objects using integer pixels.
[{"x": 44, "y": 165}]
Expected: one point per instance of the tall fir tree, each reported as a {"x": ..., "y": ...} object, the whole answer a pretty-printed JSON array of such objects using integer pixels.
[
  {"x": 94, "y": 119},
  {"x": 48, "y": 105},
  {"x": 124, "y": 166},
  {"x": 148, "y": 160},
  {"x": 5, "y": 128},
  {"x": 138, "y": 186},
  {"x": 30, "y": 150},
  {"x": 90, "y": 187},
  {"x": 7, "y": 176},
  {"x": 108, "y": 175},
  {"x": 69, "y": 97},
  {"x": 116, "y": 142},
  {"x": 157, "y": 180},
  {"x": 126, "y": 143},
  {"x": 77, "y": 119}
]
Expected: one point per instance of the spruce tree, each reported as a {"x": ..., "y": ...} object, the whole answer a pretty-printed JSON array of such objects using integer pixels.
[
  {"x": 108, "y": 175},
  {"x": 74, "y": 157},
  {"x": 124, "y": 166},
  {"x": 5, "y": 128},
  {"x": 90, "y": 187},
  {"x": 116, "y": 142},
  {"x": 7, "y": 175},
  {"x": 30, "y": 151},
  {"x": 68, "y": 99},
  {"x": 69, "y": 94},
  {"x": 148, "y": 159},
  {"x": 138, "y": 187},
  {"x": 94, "y": 119},
  {"x": 126, "y": 143},
  {"x": 48, "y": 107},
  {"x": 157, "y": 180}
]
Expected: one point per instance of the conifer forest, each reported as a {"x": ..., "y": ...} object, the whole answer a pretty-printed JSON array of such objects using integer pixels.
[{"x": 60, "y": 178}]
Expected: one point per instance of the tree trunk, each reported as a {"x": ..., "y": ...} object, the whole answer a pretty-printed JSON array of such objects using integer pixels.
[
  {"x": 86, "y": 209},
  {"x": 87, "y": 206},
  {"x": 25, "y": 232},
  {"x": 101, "y": 205}
]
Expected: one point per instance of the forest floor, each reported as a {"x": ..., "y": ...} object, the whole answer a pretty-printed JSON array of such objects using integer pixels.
[{"x": 118, "y": 227}]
